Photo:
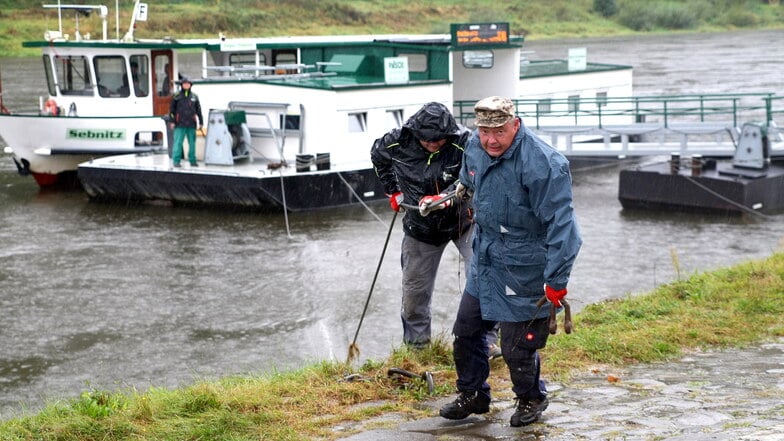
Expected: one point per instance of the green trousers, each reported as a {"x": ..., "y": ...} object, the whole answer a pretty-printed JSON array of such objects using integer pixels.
[{"x": 180, "y": 133}]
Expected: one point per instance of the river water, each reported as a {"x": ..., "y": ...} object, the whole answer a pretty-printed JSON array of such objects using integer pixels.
[{"x": 101, "y": 296}]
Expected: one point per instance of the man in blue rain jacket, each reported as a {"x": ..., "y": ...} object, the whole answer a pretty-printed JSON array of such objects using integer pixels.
[{"x": 526, "y": 240}]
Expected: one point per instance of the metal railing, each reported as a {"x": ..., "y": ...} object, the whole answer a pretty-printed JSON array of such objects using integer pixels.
[{"x": 601, "y": 111}]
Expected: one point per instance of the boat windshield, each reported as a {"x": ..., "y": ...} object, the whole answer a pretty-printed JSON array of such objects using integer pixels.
[
  {"x": 71, "y": 74},
  {"x": 111, "y": 76}
]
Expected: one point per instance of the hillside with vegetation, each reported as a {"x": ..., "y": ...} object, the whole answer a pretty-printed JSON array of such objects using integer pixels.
[{"x": 22, "y": 20}]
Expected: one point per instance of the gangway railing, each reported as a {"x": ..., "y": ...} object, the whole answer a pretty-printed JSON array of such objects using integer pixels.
[
  {"x": 601, "y": 111},
  {"x": 706, "y": 124}
]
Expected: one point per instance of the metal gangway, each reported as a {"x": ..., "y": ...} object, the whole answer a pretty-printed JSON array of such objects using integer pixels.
[{"x": 706, "y": 124}]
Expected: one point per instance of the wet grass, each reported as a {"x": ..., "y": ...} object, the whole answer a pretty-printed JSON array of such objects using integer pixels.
[
  {"x": 23, "y": 20},
  {"x": 730, "y": 307}
]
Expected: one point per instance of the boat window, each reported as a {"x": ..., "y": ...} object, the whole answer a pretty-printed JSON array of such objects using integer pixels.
[
  {"x": 416, "y": 62},
  {"x": 574, "y": 103},
  {"x": 50, "y": 80},
  {"x": 283, "y": 60},
  {"x": 146, "y": 139},
  {"x": 244, "y": 59},
  {"x": 478, "y": 59},
  {"x": 111, "y": 77},
  {"x": 544, "y": 106},
  {"x": 140, "y": 74},
  {"x": 395, "y": 118},
  {"x": 357, "y": 122},
  {"x": 163, "y": 72},
  {"x": 73, "y": 75},
  {"x": 601, "y": 99},
  {"x": 290, "y": 122}
]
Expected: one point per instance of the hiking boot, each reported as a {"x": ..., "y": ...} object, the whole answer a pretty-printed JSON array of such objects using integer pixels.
[
  {"x": 528, "y": 411},
  {"x": 466, "y": 404}
]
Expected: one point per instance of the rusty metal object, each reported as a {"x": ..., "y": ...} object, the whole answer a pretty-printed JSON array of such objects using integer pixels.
[
  {"x": 553, "y": 322},
  {"x": 568, "y": 327}
]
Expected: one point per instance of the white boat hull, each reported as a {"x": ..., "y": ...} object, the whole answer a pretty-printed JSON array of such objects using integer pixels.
[{"x": 48, "y": 146}]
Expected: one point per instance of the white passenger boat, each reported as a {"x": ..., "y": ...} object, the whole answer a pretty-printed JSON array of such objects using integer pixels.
[{"x": 289, "y": 120}]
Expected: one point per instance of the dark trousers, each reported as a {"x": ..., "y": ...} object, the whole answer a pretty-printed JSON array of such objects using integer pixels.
[{"x": 519, "y": 344}]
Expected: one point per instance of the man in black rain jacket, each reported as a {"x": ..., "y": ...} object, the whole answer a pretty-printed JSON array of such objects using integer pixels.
[{"x": 421, "y": 158}]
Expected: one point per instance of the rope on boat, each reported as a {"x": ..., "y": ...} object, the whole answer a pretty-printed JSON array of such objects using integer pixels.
[
  {"x": 351, "y": 189},
  {"x": 741, "y": 207},
  {"x": 285, "y": 209}
]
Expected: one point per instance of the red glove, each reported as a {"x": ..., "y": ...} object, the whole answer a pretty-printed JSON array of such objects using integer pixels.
[
  {"x": 554, "y": 296},
  {"x": 395, "y": 200},
  {"x": 424, "y": 204}
]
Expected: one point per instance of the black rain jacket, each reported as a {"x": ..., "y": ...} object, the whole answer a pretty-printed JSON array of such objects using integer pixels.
[
  {"x": 185, "y": 109},
  {"x": 402, "y": 164}
]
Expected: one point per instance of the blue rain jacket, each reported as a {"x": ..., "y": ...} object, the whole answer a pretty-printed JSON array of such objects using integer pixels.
[{"x": 526, "y": 233}]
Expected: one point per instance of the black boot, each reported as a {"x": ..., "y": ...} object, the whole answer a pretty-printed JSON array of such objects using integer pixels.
[
  {"x": 466, "y": 404},
  {"x": 528, "y": 411}
]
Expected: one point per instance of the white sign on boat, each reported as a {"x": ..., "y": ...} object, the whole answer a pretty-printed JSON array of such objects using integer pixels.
[
  {"x": 578, "y": 58},
  {"x": 396, "y": 70}
]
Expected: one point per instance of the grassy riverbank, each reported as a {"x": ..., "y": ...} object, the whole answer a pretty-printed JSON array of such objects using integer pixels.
[
  {"x": 22, "y": 20},
  {"x": 729, "y": 307}
]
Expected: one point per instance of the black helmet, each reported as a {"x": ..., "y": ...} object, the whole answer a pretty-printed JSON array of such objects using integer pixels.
[{"x": 432, "y": 122}]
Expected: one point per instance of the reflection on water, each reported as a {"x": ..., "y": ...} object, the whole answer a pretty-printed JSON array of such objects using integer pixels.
[{"x": 107, "y": 296}]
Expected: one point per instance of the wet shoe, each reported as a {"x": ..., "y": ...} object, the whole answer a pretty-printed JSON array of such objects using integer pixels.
[
  {"x": 493, "y": 351},
  {"x": 466, "y": 404},
  {"x": 193, "y": 164},
  {"x": 177, "y": 165},
  {"x": 528, "y": 411}
]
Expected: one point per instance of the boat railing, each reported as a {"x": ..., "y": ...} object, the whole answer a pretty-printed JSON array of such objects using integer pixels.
[
  {"x": 666, "y": 109},
  {"x": 774, "y": 109},
  {"x": 277, "y": 72}
]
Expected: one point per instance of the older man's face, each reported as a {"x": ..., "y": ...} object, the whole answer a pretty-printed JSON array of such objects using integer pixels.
[{"x": 497, "y": 140}]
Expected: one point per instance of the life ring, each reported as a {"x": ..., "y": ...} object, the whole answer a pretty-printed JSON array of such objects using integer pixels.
[{"x": 50, "y": 107}]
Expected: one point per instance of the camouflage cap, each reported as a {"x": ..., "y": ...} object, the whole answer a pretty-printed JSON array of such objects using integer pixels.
[{"x": 494, "y": 111}]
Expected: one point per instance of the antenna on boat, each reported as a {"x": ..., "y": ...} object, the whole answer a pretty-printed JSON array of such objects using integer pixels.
[
  {"x": 59, "y": 17},
  {"x": 139, "y": 13},
  {"x": 85, "y": 10},
  {"x": 117, "y": 19}
]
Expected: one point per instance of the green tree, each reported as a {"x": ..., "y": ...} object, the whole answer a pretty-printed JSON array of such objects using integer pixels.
[{"x": 607, "y": 8}]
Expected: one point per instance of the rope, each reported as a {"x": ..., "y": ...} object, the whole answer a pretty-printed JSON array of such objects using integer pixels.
[
  {"x": 285, "y": 209},
  {"x": 351, "y": 189}
]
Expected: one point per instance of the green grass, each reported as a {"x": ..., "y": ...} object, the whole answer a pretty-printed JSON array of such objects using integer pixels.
[
  {"x": 23, "y": 20},
  {"x": 730, "y": 307}
]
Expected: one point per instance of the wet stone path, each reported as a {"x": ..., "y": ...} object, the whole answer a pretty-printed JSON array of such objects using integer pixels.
[{"x": 728, "y": 395}]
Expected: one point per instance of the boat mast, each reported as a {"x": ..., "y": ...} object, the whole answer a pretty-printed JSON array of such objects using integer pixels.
[{"x": 134, "y": 15}]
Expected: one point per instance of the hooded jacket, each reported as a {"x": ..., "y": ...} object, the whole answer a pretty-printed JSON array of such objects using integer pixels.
[
  {"x": 185, "y": 108},
  {"x": 526, "y": 233},
  {"x": 402, "y": 164}
]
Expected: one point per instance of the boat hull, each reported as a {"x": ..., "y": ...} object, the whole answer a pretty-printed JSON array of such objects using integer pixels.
[
  {"x": 246, "y": 186},
  {"x": 721, "y": 189},
  {"x": 50, "y": 148}
]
